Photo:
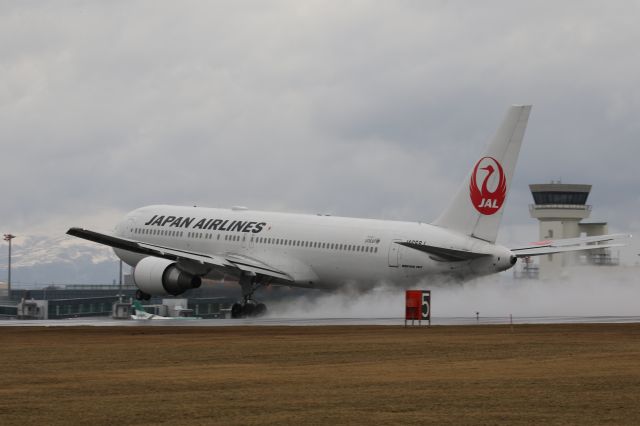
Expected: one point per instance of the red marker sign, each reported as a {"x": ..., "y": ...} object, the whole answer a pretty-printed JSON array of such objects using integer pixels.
[{"x": 417, "y": 306}]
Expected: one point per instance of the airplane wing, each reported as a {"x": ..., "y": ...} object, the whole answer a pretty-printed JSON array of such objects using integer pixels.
[
  {"x": 221, "y": 262},
  {"x": 568, "y": 244}
]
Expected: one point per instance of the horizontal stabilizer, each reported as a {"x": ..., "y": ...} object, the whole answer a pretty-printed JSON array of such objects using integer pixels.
[
  {"x": 568, "y": 244},
  {"x": 444, "y": 254}
]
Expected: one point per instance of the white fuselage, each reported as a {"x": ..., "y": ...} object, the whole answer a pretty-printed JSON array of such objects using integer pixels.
[{"x": 316, "y": 251}]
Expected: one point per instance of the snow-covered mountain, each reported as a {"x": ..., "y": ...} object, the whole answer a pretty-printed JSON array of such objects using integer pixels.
[{"x": 38, "y": 260}]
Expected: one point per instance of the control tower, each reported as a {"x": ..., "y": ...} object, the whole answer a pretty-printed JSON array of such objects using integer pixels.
[{"x": 560, "y": 208}]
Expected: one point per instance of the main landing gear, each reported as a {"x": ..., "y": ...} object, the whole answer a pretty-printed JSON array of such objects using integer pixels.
[{"x": 248, "y": 307}]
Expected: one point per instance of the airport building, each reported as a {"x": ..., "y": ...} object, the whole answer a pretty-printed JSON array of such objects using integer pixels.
[
  {"x": 561, "y": 210},
  {"x": 212, "y": 300}
]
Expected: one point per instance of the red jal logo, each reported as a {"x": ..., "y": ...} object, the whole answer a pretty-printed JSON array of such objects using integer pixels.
[{"x": 489, "y": 197}]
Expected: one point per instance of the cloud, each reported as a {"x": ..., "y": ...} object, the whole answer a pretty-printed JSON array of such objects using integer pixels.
[{"x": 364, "y": 109}]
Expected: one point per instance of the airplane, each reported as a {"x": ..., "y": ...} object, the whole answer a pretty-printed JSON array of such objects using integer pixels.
[
  {"x": 141, "y": 314},
  {"x": 172, "y": 248}
]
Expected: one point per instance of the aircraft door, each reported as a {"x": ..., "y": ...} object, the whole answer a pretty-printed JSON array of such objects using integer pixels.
[{"x": 394, "y": 253}]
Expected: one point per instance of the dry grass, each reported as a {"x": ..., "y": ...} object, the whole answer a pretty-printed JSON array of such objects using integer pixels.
[{"x": 538, "y": 374}]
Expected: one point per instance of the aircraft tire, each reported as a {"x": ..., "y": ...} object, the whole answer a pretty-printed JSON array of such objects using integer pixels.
[
  {"x": 236, "y": 310},
  {"x": 260, "y": 310},
  {"x": 249, "y": 310}
]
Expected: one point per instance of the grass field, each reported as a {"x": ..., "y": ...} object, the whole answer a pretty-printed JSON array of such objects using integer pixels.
[{"x": 535, "y": 374}]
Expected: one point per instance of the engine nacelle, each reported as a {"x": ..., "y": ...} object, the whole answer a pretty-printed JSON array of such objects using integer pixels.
[{"x": 159, "y": 277}]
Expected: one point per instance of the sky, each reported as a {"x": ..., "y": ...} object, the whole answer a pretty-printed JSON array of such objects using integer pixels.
[{"x": 353, "y": 108}]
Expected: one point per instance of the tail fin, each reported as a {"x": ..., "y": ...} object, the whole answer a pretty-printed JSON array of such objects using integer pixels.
[{"x": 477, "y": 208}]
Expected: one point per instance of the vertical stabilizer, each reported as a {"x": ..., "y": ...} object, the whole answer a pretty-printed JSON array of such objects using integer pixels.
[{"x": 477, "y": 208}]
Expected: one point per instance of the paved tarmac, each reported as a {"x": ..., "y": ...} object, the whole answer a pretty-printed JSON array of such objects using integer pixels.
[{"x": 272, "y": 321}]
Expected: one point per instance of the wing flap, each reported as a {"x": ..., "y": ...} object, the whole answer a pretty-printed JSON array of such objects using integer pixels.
[{"x": 253, "y": 265}]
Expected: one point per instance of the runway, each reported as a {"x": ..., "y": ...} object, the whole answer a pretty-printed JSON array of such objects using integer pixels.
[{"x": 305, "y": 322}]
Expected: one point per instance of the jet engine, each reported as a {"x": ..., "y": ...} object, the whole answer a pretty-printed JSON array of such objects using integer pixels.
[{"x": 159, "y": 277}]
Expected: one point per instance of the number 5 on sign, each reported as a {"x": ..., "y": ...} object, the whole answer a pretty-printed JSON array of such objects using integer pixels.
[{"x": 426, "y": 305}]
